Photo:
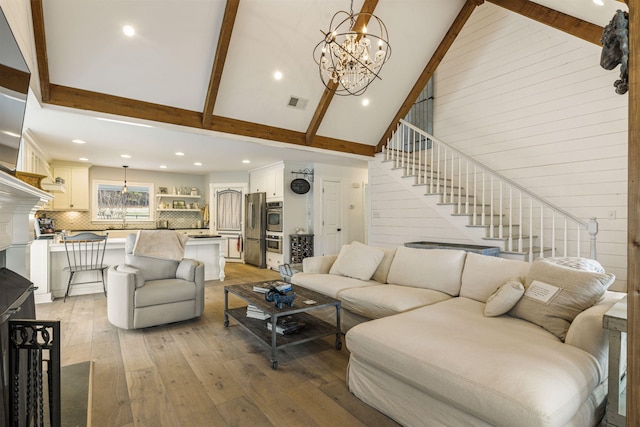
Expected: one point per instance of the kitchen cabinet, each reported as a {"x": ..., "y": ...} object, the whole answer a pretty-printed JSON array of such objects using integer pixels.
[
  {"x": 268, "y": 180},
  {"x": 274, "y": 261},
  {"x": 167, "y": 200},
  {"x": 76, "y": 196}
]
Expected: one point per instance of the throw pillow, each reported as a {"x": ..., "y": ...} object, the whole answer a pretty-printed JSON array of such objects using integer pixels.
[
  {"x": 504, "y": 298},
  {"x": 578, "y": 263},
  {"x": 555, "y": 295},
  {"x": 382, "y": 272},
  {"x": 357, "y": 260}
]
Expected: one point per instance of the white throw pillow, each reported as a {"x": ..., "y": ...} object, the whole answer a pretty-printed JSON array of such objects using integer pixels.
[
  {"x": 357, "y": 260},
  {"x": 504, "y": 298}
]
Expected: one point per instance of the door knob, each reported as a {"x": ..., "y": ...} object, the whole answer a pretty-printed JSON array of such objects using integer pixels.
[{"x": 339, "y": 229}]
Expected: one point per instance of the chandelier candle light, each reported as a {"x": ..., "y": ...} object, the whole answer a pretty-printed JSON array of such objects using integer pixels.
[{"x": 344, "y": 55}]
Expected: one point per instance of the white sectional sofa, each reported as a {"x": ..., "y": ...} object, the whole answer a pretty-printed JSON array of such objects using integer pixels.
[{"x": 445, "y": 337}]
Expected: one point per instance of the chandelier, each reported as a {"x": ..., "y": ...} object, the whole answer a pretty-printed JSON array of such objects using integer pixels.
[{"x": 344, "y": 56}]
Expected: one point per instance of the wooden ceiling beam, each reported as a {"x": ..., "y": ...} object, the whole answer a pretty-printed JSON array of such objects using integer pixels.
[
  {"x": 228, "y": 21},
  {"x": 37, "y": 18},
  {"x": 110, "y": 104},
  {"x": 14, "y": 79},
  {"x": 558, "y": 20},
  {"x": 428, "y": 71},
  {"x": 329, "y": 92}
]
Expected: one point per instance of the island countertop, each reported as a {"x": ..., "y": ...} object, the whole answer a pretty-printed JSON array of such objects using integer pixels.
[{"x": 48, "y": 260}]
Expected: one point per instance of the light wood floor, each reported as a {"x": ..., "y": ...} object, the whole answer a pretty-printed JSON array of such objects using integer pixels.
[{"x": 199, "y": 373}]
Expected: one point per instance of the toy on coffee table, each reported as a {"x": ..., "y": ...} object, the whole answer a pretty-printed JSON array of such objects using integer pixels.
[{"x": 279, "y": 298}]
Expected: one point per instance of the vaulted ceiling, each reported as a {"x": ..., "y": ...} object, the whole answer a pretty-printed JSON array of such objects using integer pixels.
[{"x": 200, "y": 74}]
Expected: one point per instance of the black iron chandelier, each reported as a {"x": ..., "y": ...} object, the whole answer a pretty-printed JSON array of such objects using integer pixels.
[{"x": 344, "y": 56}]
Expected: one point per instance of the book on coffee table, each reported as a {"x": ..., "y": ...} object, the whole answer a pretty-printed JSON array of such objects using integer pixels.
[
  {"x": 286, "y": 325},
  {"x": 255, "y": 313}
]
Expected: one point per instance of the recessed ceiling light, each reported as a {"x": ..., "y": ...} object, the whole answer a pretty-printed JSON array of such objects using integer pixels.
[
  {"x": 78, "y": 141},
  {"x": 125, "y": 156},
  {"x": 365, "y": 102},
  {"x": 277, "y": 75},
  {"x": 197, "y": 164},
  {"x": 129, "y": 31},
  {"x": 179, "y": 153},
  {"x": 599, "y": 2},
  {"x": 83, "y": 159},
  {"x": 163, "y": 166},
  {"x": 246, "y": 161}
]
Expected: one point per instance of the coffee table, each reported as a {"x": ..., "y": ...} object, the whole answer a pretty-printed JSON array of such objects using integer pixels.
[{"x": 314, "y": 328}]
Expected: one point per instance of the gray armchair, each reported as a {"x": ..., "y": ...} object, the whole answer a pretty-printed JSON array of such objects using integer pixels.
[{"x": 147, "y": 291}]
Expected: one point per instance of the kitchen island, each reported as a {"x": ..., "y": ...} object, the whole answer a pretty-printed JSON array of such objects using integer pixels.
[{"x": 48, "y": 259}]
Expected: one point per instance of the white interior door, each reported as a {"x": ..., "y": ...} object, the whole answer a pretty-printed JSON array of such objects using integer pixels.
[{"x": 331, "y": 216}]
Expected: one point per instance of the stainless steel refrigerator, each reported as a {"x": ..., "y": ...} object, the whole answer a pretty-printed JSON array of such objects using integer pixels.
[{"x": 255, "y": 226}]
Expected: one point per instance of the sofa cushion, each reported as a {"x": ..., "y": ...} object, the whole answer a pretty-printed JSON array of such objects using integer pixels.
[
  {"x": 437, "y": 269},
  {"x": 521, "y": 374},
  {"x": 139, "y": 278},
  {"x": 556, "y": 294},
  {"x": 164, "y": 291},
  {"x": 382, "y": 272},
  {"x": 504, "y": 298},
  {"x": 357, "y": 260},
  {"x": 482, "y": 275},
  {"x": 328, "y": 284},
  {"x": 379, "y": 301}
]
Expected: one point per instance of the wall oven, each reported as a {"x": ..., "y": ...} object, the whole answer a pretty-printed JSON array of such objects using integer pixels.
[
  {"x": 274, "y": 216},
  {"x": 274, "y": 243}
]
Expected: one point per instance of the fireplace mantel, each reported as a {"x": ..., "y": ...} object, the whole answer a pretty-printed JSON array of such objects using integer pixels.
[{"x": 19, "y": 202}]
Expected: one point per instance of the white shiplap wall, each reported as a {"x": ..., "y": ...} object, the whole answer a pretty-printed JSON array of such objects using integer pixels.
[{"x": 532, "y": 103}]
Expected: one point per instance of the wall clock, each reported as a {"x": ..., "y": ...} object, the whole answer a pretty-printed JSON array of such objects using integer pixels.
[{"x": 300, "y": 186}]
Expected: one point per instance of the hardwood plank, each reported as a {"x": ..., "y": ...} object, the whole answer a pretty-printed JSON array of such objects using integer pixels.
[
  {"x": 198, "y": 372},
  {"x": 191, "y": 404},
  {"x": 150, "y": 403}
]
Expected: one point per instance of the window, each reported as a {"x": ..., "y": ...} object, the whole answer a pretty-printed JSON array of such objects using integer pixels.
[{"x": 111, "y": 205}]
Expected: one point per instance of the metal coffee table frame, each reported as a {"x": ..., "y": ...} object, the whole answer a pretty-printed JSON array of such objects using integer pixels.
[{"x": 314, "y": 327}]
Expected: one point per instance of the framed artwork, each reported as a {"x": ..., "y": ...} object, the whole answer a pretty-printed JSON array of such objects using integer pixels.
[
  {"x": 179, "y": 204},
  {"x": 163, "y": 190}
]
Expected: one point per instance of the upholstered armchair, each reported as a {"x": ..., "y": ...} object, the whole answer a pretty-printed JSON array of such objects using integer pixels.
[{"x": 147, "y": 291}]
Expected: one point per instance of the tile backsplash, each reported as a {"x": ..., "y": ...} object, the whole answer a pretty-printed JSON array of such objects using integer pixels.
[{"x": 73, "y": 220}]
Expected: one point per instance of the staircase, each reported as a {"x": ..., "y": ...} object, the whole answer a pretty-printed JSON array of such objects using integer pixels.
[{"x": 491, "y": 209}]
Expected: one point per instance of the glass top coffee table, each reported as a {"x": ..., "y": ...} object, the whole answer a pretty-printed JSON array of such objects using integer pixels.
[{"x": 314, "y": 327}]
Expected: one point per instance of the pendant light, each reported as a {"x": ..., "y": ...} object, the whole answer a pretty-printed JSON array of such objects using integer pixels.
[{"x": 124, "y": 187}]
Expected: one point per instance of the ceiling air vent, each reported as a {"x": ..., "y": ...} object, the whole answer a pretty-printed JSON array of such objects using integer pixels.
[{"x": 297, "y": 103}]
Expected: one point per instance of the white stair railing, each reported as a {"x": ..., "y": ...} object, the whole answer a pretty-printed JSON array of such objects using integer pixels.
[{"x": 513, "y": 215}]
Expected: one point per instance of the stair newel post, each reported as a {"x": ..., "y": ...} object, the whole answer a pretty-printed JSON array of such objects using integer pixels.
[
  {"x": 395, "y": 148},
  {"x": 592, "y": 228},
  {"x": 500, "y": 213},
  {"x": 541, "y": 230},
  {"x": 520, "y": 223}
]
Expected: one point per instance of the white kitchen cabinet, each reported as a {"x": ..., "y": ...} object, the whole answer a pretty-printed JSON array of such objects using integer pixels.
[
  {"x": 76, "y": 196},
  {"x": 274, "y": 260},
  {"x": 268, "y": 180}
]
